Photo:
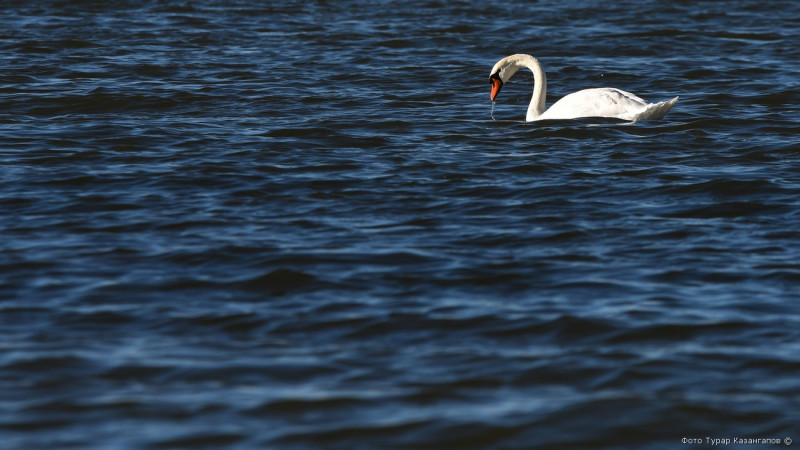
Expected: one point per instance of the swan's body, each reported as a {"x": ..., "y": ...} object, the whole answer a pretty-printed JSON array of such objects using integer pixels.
[{"x": 599, "y": 102}]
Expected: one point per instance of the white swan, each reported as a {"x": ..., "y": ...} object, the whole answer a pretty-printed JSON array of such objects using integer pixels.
[{"x": 599, "y": 102}]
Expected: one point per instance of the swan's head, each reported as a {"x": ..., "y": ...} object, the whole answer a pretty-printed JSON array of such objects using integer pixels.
[{"x": 502, "y": 71}]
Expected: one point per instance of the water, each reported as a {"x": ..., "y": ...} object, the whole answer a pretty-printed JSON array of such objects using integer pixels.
[{"x": 231, "y": 225}]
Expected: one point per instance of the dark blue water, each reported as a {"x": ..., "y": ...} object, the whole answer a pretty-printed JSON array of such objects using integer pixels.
[{"x": 296, "y": 225}]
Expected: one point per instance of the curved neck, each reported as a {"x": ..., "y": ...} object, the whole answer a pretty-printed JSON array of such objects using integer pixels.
[{"x": 537, "y": 106}]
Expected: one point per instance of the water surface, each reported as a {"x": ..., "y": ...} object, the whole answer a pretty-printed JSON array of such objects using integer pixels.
[{"x": 231, "y": 225}]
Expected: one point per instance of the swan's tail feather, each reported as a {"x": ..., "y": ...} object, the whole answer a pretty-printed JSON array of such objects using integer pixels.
[{"x": 656, "y": 111}]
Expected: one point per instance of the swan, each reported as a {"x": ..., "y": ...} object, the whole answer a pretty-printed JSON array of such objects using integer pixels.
[{"x": 598, "y": 102}]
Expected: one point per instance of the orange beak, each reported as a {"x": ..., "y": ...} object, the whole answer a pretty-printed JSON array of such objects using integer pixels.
[{"x": 497, "y": 84}]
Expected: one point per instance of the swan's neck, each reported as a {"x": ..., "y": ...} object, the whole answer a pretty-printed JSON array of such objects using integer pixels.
[{"x": 537, "y": 106}]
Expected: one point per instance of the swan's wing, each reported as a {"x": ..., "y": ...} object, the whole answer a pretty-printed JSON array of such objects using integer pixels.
[
  {"x": 600, "y": 102},
  {"x": 654, "y": 111}
]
